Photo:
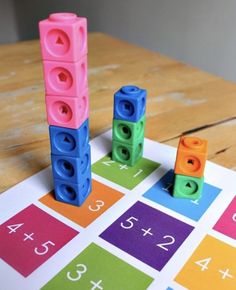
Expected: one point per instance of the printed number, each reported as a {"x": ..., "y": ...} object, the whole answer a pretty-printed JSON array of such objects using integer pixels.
[
  {"x": 129, "y": 222},
  {"x": 81, "y": 270},
  {"x": 203, "y": 263},
  {"x": 45, "y": 248},
  {"x": 168, "y": 186},
  {"x": 140, "y": 171},
  {"x": 99, "y": 204},
  {"x": 234, "y": 217},
  {"x": 108, "y": 163},
  {"x": 171, "y": 242},
  {"x": 13, "y": 228}
]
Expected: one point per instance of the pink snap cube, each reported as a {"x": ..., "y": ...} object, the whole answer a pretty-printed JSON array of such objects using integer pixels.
[
  {"x": 67, "y": 112},
  {"x": 65, "y": 78},
  {"x": 63, "y": 36}
]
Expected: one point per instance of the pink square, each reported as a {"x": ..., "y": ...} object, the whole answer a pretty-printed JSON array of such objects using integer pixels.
[
  {"x": 67, "y": 112},
  {"x": 63, "y": 37},
  {"x": 65, "y": 78},
  {"x": 227, "y": 222},
  {"x": 31, "y": 237}
]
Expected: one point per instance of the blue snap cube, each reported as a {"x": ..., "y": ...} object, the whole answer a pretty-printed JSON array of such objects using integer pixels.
[
  {"x": 71, "y": 169},
  {"x": 130, "y": 103},
  {"x": 70, "y": 142},
  {"x": 73, "y": 193}
]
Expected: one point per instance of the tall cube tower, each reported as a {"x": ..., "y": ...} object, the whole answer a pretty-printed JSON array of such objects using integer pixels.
[
  {"x": 189, "y": 167},
  {"x": 129, "y": 122},
  {"x": 63, "y": 40}
]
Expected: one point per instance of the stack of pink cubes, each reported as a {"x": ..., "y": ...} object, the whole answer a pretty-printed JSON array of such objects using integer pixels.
[{"x": 63, "y": 40}]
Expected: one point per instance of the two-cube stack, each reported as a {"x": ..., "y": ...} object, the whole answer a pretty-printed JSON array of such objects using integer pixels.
[
  {"x": 189, "y": 167},
  {"x": 128, "y": 125},
  {"x": 63, "y": 39}
]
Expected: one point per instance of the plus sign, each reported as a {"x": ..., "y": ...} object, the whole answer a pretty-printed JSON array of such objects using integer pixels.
[
  {"x": 147, "y": 232},
  {"x": 96, "y": 285},
  {"x": 123, "y": 167},
  {"x": 28, "y": 237},
  {"x": 196, "y": 201},
  {"x": 225, "y": 274}
]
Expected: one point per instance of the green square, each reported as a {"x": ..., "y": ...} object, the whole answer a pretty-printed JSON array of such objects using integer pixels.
[
  {"x": 128, "y": 132},
  {"x": 188, "y": 186},
  {"x": 96, "y": 266},
  {"x": 126, "y": 176}
]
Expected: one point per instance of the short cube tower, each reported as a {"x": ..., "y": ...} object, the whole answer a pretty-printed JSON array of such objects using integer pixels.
[
  {"x": 63, "y": 40},
  {"x": 128, "y": 124},
  {"x": 189, "y": 167}
]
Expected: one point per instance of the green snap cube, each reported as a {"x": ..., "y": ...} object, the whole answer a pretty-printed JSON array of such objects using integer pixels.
[
  {"x": 128, "y": 132},
  {"x": 188, "y": 187},
  {"x": 126, "y": 153}
]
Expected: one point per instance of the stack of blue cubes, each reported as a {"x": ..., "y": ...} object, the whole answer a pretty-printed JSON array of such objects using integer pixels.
[{"x": 71, "y": 163}]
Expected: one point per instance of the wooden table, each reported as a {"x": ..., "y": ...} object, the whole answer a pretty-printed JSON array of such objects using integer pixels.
[{"x": 181, "y": 100}]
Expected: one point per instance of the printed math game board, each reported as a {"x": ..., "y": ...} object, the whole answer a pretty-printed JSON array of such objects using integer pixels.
[{"x": 129, "y": 234}]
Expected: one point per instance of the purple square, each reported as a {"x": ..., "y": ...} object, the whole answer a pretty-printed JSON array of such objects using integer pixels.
[{"x": 147, "y": 234}]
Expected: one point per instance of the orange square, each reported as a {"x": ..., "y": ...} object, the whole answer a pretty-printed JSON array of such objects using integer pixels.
[
  {"x": 191, "y": 156},
  {"x": 100, "y": 199}
]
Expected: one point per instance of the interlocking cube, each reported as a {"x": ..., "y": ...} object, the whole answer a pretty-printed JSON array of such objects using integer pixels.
[
  {"x": 191, "y": 156},
  {"x": 69, "y": 142},
  {"x": 73, "y": 193},
  {"x": 129, "y": 103},
  {"x": 67, "y": 112},
  {"x": 63, "y": 40},
  {"x": 65, "y": 78},
  {"x": 128, "y": 132},
  {"x": 188, "y": 187},
  {"x": 71, "y": 169},
  {"x": 126, "y": 153},
  {"x": 63, "y": 37}
]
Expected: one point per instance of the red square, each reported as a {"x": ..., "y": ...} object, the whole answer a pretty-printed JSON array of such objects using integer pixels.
[
  {"x": 31, "y": 237},
  {"x": 227, "y": 222}
]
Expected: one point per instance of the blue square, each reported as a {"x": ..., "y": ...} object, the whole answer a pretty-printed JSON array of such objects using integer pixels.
[
  {"x": 70, "y": 142},
  {"x": 130, "y": 103},
  {"x": 73, "y": 193},
  {"x": 71, "y": 169},
  {"x": 161, "y": 191}
]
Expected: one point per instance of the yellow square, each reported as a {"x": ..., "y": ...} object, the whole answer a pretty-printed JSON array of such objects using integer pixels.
[{"x": 212, "y": 266}]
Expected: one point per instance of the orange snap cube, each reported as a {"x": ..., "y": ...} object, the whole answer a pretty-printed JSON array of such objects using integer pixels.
[{"x": 191, "y": 156}]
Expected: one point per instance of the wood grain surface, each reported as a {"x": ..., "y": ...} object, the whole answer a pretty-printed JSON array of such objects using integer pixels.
[{"x": 181, "y": 100}]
